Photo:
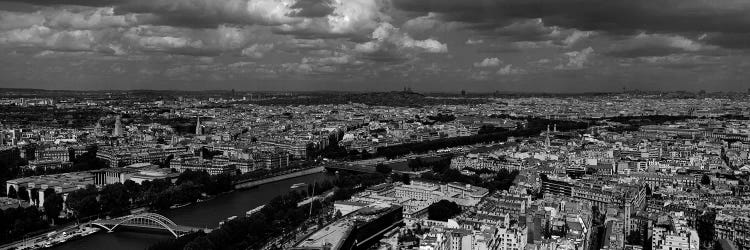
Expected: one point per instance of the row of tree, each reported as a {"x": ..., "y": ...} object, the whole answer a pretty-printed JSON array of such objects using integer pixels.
[
  {"x": 117, "y": 199},
  {"x": 443, "y": 210},
  {"x": 10, "y": 162},
  {"x": 442, "y": 172},
  {"x": 437, "y": 164},
  {"x": 19, "y": 221}
]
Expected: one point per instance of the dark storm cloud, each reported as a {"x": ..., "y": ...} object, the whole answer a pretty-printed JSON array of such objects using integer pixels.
[
  {"x": 560, "y": 45},
  {"x": 730, "y": 40},
  {"x": 385, "y": 56},
  {"x": 313, "y": 8},
  {"x": 176, "y": 20},
  {"x": 645, "y": 45},
  {"x": 317, "y": 34},
  {"x": 525, "y": 30},
  {"x": 616, "y": 16},
  {"x": 643, "y": 52},
  {"x": 204, "y": 13},
  {"x": 197, "y": 13},
  {"x": 497, "y": 49},
  {"x": 92, "y": 3}
]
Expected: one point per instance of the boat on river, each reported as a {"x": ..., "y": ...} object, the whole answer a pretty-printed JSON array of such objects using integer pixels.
[{"x": 254, "y": 210}]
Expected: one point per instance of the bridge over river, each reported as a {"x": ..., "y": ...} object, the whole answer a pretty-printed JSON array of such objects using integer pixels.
[
  {"x": 146, "y": 221},
  {"x": 200, "y": 215}
]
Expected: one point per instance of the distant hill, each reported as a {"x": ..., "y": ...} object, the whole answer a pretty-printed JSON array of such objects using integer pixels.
[
  {"x": 19, "y": 90},
  {"x": 395, "y": 98}
]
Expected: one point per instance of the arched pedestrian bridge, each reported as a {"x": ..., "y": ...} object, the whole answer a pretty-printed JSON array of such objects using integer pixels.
[{"x": 148, "y": 221}]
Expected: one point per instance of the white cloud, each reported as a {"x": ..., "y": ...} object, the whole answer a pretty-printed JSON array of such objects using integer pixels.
[
  {"x": 241, "y": 64},
  {"x": 200, "y": 41},
  {"x": 387, "y": 36},
  {"x": 577, "y": 59},
  {"x": 47, "y": 38},
  {"x": 226, "y": 37},
  {"x": 510, "y": 70},
  {"x": 429, "y": 45},
  {"x": 474, "y": 42},
  {"x": 533, "y": 44},
  {"x": 488, "y": 62},
  {"x": 684, "y": 59},
  {"x": 338, "y": 59},
  {"x": 35, "y": 34},
  {"x": 354, "y": 16},
  {"x": 88, "y": 19},
  {"x": 12, "y": 20},
  {"x": 257, "y": 51},
  {"x": 265, "y": 12},
  {"x": 543, "y": 61},
  {"x": 645, "y": 45},
  {"x": 673, "y": 41},
  {"x": 349, "y": 18},
  {"x": 72, "y": 40},
  {"x": 161, "y": 43},
  {"x": 430, "y": 25},
  {"x": 62, "y": 18},
  {"x": 101, "y": 31},
  {"x": 301, "y": 68},
  {"x": 576, "y": 36},
  {"x": 422, "y": 23}
]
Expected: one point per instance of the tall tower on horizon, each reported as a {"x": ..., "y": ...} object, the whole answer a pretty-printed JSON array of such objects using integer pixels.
[
  {"x": 118, "y": 127},
  {"x": 547, "y": 143},
  {"x": 198, "y": 127}
]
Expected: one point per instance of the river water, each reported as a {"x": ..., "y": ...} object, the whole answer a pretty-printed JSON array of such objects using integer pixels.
[{"x": 204, "y": 214}]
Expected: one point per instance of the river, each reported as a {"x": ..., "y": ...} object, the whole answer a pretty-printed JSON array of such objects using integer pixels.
[{"x": 203, "y": 214}]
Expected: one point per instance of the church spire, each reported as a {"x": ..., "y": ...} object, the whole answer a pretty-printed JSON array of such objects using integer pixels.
[{"x": 118, "y": 127}]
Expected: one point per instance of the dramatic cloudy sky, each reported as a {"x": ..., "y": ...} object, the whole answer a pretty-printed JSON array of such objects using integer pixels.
[{"x": 429, "y": 45}]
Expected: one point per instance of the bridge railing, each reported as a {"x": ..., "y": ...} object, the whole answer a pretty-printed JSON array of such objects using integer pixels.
[{"x": 143, "y": 219}]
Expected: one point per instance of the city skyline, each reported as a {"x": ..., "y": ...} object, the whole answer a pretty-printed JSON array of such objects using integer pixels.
[
  {"x": 401, "y": 170},
  {"x": 567, "y": 46}
]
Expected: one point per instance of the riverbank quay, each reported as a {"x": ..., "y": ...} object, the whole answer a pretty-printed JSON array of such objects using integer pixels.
[
  {"x": 254, "y": 183},
  {"x": 178, "y": 207}
]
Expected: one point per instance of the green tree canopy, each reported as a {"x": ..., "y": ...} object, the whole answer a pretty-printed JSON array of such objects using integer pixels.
[
  {"x": 115, "y": 199},
  {"x": 443, "y": 210},
  {"x": 53, "y": 204},
  {"x": 406, "y": 179},
  {"x": 12, "y": 192},
  {"x": 383, "y": 169},
  {"x": 82, "y": 202},
  {"x": 35, "y": 195},
  {"x": 23, "y": 194},
  {"x": 200, "y": 243}
]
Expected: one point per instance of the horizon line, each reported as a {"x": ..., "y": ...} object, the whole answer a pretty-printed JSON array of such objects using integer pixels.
[{"x": 456, "y": 92}]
